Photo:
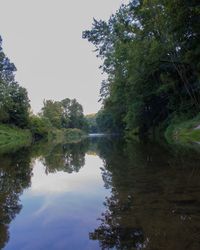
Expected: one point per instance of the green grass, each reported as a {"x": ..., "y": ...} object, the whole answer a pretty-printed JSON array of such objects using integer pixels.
[
  {"x": 12, "y": 138},
  {"x": 183, "y": 131}
]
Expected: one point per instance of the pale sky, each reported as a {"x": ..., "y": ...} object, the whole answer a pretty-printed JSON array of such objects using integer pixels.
[{"x": 43, "y": 38}]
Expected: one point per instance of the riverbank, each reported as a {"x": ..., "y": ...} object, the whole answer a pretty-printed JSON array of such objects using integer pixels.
[
  {"x": 12, "y": 138},
  {"x": 183, "y": 131}
]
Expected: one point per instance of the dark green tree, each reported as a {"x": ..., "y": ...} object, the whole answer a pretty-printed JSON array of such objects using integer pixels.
[
  {"x": 14, "y": 101},
  {"x": 149, "y": 51}
]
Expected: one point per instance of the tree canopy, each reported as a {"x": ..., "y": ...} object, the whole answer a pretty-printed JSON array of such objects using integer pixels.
[
  {"x": 64, "y": 114},
  {"x": 14, "y": 101},
  {"x": 150, "y": 51}
]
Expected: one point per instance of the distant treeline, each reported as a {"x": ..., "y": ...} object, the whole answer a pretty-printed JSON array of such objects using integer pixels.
[
  {"x": 150, "y": 51},
  {"x": 59, "y": 115}
]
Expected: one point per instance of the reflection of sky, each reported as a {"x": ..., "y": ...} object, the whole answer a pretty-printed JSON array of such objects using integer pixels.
[{"x": 60, "y": 209}]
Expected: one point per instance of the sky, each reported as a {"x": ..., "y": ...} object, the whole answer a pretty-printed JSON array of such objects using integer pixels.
[{"x": 43, "y": 38}]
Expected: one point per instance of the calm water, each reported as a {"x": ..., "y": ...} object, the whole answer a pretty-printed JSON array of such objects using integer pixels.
[{"x": 101, "y": 193}]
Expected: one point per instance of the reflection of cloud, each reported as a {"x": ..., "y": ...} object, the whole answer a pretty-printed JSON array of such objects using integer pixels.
[
  {"x": 59, "y": 209},
  {"x": 42, "y": 209},
  {"x": 62, "y": 182}
]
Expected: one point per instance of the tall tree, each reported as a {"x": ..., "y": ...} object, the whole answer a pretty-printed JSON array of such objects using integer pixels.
[
  {"x": 14, "y": 101},
  {"x": 149, "y": 50},
  {"x": 53, "y": 112}
]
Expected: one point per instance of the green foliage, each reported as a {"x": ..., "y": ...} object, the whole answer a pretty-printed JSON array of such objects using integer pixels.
[
  {"x": 12, "y": 138},
  {"x": 150, "y": 51},
  {"x": 105, "y": 121},
  {"x": 65, "y": 114},
  {"x": 182, "y": 130},
  {"x": 53, "y": 112},
  {"x": 76, "y": 116},
  {"x": 39, "y": 127},
  {"x": 92, "y": 123},
  {"x": 14, "y": 102}
]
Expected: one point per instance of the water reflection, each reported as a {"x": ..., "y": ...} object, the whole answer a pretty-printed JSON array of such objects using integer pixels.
[
  {"x": 63, "y": 201},
  {"x": 68, "y": 157},
  {"x": 155, "y": 198},
  {"x": 144, "y": 195},
  {"x": 15, "y": 176}
]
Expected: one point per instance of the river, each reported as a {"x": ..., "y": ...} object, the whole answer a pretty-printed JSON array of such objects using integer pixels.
[{"x": 101, "y": 193}]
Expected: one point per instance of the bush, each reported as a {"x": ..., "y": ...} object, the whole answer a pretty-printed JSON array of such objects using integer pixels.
[{"x": 39, "y": 127}]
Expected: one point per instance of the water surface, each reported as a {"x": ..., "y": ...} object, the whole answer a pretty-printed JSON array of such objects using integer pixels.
[{"x": 101, "y": 193}]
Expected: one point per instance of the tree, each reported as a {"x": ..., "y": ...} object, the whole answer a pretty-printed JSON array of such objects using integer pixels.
[
  {"x": 92, "y": 123},
  {"x": 64, "y": 114},
  {"x": 76, "y": 115},
  {"x": 149, "y": 51},
  {"x": 66, "y": 103},
  {"x": 14, "y": 101},
  {"x": 39, "y": 127},
  {"x": 53, "y": 112}
]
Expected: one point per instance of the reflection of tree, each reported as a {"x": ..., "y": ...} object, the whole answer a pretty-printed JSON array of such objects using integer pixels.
[
  {"x": 154, "y": 202},
  {"x": 15, "y": 175},
  {"x": 113, "y": 232},
  {"x": 68, "y": 158}
]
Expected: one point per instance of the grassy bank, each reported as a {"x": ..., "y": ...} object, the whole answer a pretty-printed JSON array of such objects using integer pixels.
[
  {"x": 183, "y": 131},
  {"x": 11, "y": 138}
]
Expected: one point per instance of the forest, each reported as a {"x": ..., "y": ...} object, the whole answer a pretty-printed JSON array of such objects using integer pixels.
[{"x": 150, "y": 52}]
